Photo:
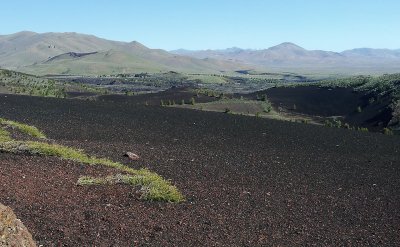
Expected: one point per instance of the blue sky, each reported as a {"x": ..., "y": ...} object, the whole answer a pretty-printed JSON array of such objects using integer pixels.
[{"x": 200, "y": 24}]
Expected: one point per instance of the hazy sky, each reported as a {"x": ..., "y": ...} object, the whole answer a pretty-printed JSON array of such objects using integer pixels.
[{"x": 200, "y": 24}]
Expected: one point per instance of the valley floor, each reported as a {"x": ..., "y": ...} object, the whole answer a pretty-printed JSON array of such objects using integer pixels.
[{"x": 248, "y": 181}]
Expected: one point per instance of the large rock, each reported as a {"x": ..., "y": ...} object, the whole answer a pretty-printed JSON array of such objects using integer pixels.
[
  {"x": 12, "y": 232},
  {"x": 132, "y": 156}
]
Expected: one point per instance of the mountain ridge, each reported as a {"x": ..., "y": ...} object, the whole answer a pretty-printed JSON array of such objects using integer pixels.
[
  {"x": 62, "y": 53},
  {"x": 288, "y": 54},
  {"x": 75, "y": 53}
]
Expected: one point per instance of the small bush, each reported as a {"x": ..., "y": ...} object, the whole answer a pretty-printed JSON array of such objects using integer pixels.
[
  {"x": 387, "y": 131},
  {"x": 334, "y": 123},
  {"x": 371, "y": 100},
  {"x": 267, "y": 107},
  {"x": 337, "y": 123},
  {"x": 328, "y": 123},
  {"x": 264, "y": 97}
]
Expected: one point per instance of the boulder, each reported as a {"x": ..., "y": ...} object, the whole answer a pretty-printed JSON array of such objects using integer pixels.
[
  {"x": 12, "y": 232},
  {"x": 132, "y": 156}
]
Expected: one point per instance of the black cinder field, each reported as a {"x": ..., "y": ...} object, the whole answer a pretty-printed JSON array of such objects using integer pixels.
[{"x": 246, "y": 181}]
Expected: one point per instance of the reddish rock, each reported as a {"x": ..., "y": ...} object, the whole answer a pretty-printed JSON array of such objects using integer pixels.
[{"x": 12, "y": 232}]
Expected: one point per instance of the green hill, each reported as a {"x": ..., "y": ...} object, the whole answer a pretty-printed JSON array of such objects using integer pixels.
[{"x": 72, "y": 53}]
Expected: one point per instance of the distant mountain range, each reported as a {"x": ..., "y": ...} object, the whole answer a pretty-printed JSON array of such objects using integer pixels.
[
  {"x": 289, "y": 55},
  {"x": 73, "y": 53}
]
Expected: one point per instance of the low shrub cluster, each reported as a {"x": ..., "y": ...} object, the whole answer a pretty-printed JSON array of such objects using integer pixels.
[{"x": 154, "y": 187}]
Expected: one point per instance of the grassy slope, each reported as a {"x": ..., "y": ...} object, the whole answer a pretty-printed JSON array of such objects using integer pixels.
[
  {"x": 20, "y": 83},
  {"x": 30, "y": 52},
  {"x": 115, "y": 62}
]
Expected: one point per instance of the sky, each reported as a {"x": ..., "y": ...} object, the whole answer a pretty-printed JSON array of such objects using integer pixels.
[{"x": 334, "y": 25}]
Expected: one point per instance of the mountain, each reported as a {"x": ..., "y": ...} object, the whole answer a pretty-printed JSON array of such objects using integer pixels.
[
  {"x": 289, "y": 55},
  {"x": 285, "y": 54},
  {"x": 373, "y": 53},
  {"x": 73, "y": 53}
]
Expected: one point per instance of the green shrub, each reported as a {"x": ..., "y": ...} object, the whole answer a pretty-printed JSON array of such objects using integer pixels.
[
  {"x": 328, "y": 123},
  {"x": 337, "y": 123},
  {"x": 371, "y": 100},
  {"x": 387, "y": 131}
]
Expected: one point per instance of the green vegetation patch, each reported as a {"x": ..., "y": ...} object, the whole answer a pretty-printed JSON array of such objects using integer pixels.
[
  {"x": 20, "y": 83},
  {"x": 4, "y": 135},
  {"x": 154, "y": 187},
  {"x": 388, "y": 84},
  {"x": 235, "y": 106},
  {"x": 24, "y": 128}
]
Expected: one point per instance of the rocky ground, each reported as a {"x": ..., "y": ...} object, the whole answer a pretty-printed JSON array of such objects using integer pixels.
[
  {"x": 357, "y": 108},
  {"x": 248, "y": 181}
]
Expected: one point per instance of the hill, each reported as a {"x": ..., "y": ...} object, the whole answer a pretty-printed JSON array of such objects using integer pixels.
[{"x": 73, "y": 53}]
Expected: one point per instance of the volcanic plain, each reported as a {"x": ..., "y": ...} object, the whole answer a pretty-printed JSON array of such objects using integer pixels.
[{"x": 247, "y": 181}]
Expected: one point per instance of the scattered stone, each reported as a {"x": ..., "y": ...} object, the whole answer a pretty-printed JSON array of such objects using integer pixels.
[
  {"x": 12, "y": 232},
  {"x": 132, "y": 156}
]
